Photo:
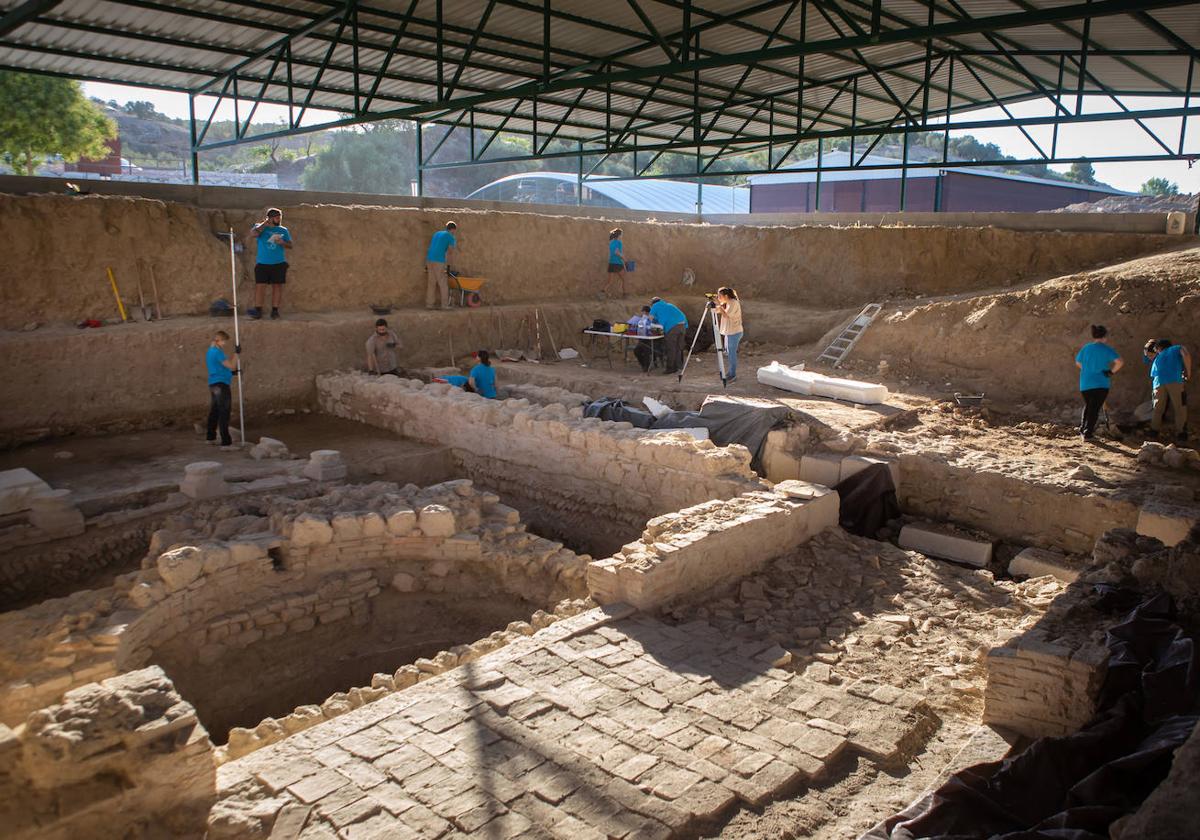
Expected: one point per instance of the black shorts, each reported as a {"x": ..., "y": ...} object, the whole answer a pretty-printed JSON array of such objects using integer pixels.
[
  {"x": 271, "y": 275},
  {"x": 616, "y": 268}
]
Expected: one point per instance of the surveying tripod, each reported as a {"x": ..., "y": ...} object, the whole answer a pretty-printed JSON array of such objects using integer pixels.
[{"x": 710, "y": 310}]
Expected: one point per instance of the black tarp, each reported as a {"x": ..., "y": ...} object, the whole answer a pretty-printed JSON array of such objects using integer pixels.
[
  {"x": 727, "y": 422},
  {"x": 868, "y": 500},
  {"x": 1075, "y": 787}
]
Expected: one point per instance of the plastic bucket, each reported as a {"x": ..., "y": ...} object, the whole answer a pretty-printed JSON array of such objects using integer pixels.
[{"x": 631, "y": 265}]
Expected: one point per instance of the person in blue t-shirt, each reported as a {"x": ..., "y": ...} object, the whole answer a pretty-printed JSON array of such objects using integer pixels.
[
  {"x": 1097, "y": 362},
  {"x": 437, "y": 292},
  {"x": 221, "y": 368},
  {"x": 674, "y": 324},
  {"x": 483, "y": 375},
  {"x": 616, "y": 264},
  {"x": 1170, "y": 368},
  {"x": 272, "y": 239}
]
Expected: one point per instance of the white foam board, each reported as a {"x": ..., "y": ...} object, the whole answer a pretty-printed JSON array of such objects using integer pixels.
[
  {"x": 17, "y": 487},
  {"x": 808, "y": 383}
]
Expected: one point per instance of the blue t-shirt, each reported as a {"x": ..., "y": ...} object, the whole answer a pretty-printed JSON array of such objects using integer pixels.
[
  {"x": 1167, "y": 366},
  {"x": 484, "y": 378},
  {"x": 668, "y": 315},
  {"x": 268, "y": 252},
  {"x": 456, "y": 381},
  {"x": 441, "y": 242},
  {"x": 1094, "y": 358},
  {"x": 217, "y": 372},
  {"x": 614, "y": 252}
]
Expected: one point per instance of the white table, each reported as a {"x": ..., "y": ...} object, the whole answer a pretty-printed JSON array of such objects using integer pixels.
[{"x": 629, "y": 336}]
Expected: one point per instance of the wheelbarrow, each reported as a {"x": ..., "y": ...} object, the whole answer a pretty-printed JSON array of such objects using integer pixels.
[{"x": 467, "y": 288}]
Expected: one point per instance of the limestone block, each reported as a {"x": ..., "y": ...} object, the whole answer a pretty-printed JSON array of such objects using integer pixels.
[
  {"x": 401, "y": 520},
  {"x": 203, "y": 480},
  {"x": 821, "y": 468},
  {"x": 325, "y": 465},
  {"x": 143, "y": 594},
  {"x": 52, "y": 511},
  {"x": 853, "y": 464},
  {"x": 268, "y": 447},
  {"x": 1035, "y": 562},
  {"x": 17, "y": 487},
  {"x": 436, "y": 521},
  {"x": 216, "y": 557},
  {"x": 404, "y": 582},
  {"x": 1166, "y": 522},
  {"x": 935, "y": 544},
  {"x": 346, "y": 526},
  {"x": 180, "y": 566},
  {"x": 372, "y": 525},
  {"x": 308, "y": 529}
]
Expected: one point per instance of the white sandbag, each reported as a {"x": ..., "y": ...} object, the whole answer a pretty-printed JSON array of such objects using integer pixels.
[
  {"x": 655, "y": 407},
  {"x": 817, "y": 384}
]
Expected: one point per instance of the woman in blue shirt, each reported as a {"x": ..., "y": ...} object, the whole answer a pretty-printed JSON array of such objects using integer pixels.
[
  {"x": 483, "y": 377},
  {"x": 1097, "y": 362},
  {"x": 616, "y": 261}
]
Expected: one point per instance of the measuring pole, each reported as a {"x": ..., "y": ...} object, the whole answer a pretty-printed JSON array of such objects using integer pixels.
[{"x": 237, "y": 339}]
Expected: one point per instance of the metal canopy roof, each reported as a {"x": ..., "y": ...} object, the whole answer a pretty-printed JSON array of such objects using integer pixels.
[{"x": 717, "y": 77}]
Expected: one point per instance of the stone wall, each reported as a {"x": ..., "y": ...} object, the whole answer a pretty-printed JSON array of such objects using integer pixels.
[
  {"x": 696, "y": 550},
  {"x": 296, "y": 564},
  {"x": 603, "y": 480},
  {"x": 122, "y": 758}
]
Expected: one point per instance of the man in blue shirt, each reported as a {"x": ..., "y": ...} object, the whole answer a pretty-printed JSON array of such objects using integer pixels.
[
  {"x": 674, "y": 324},
  {"x": 1170, "y": 367},
  {"x": 437, "y": 293},
  {"x": 272, "y": 239},
  {"x": 1097, "y": 362},
  {"x": 220, "y": 375}
]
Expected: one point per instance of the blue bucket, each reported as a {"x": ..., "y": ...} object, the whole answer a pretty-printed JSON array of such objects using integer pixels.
[{"x": 630, "y": 265}]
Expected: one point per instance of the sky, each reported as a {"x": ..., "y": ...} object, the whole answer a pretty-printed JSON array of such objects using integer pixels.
[{"x": 1083, "y": 140}]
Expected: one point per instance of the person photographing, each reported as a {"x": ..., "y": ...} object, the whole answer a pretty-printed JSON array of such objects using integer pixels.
[
  {"x": 729, "y": 314},
  {"x": 1097, "y": 362},
  {"x": 272, "y": 241}
]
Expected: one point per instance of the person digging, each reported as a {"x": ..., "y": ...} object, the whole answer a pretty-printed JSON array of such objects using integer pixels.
[
  {"x": 272, "y": 241},
  {"x": 1170, "y": 369},
  {"x": 221, "y": 369}
]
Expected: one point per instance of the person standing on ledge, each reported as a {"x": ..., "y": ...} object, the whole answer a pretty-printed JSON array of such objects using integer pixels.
[
  {"x": 674, "y": 324},
  {"x": 1097, "y": 362},
  {"x": 729, "y": 313},
  {"x": 272, "y": 239},
  {"x": 437, "y": 293},
  {"x": 221, "y": 368},
  {"x": 616, "y": 263},
  {"x": 1170, "y": 369},
  {"x": 381, "y": 349}
]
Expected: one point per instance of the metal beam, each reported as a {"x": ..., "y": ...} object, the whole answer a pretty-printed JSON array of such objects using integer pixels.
[{"x": 24, "y": 13}]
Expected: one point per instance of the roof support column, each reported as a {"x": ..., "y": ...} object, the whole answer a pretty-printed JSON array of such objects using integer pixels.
[
  {"x": 420, "y": 160},
  {"x": 192, "y": 127}
]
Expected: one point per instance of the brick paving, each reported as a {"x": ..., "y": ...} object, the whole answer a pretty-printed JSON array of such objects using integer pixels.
[{"x": 610, "y": 724}]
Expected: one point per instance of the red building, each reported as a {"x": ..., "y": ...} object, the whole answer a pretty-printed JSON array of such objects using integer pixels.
[
  {"x": 948, "y": 189},
  {"x": 110, "y": 164}
]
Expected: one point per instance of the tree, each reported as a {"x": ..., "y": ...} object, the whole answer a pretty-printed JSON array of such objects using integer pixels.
[
  {"x": 45, "y": 115},
  {"x": 1082, "y": 172},
  {"x": 1159, "y": 186},
  {"x": 142, "y": 110},
  {"x": 381, "y": 158}
]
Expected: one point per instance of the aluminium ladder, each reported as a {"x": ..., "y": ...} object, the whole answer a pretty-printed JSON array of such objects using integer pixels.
[{"x": 841, "y": 346}]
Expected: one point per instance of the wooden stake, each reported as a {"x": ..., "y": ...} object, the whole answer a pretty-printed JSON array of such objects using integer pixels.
[
  {"x": 120, "y": 306},
  {"x": 537, "y": 326},
  {"x": 553, "y": 344},
  {"x": 154, "y": 287}
]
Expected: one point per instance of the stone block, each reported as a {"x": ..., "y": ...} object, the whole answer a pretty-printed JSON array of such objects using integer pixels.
[
  {"x": 401, "y": 521},
  {"x": 436, "y": 521},
  {"x": 936, "y": 544},
  {"x": 325, "y": 465},
  {"x": 308, "y": 529},
  {"x": 203, "y": 480},
  {"x": 180, "y": 566},
  {"x": 372, "y": 525},
  {"x": 1035, "y": 562},
  {"x": 346, "y": 526},
  {"x": 268, "y": 447},
  {"x": 821, "y": 468},
  {"x": 404, "y": 582},
  {"x": 1166, "y": 522},
  {"x": 52, "y": 511},
  {"x": 853, "y": 464},
  {"x": 17, "y": 488}
]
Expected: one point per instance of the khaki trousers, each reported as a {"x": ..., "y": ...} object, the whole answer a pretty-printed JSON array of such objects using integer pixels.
[
  {"x": 1173, "y": 393},
  {"x": 437, "y": 293}
]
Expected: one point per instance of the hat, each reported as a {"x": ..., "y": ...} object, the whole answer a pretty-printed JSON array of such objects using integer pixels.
[{"x": 655, "y": 299}]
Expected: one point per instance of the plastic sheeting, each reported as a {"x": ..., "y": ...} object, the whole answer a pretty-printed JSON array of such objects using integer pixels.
[
  {"x": 1075, "y": 787},
  {"x": 727, "y": 422},
  {"x": 868, "y": 500}
]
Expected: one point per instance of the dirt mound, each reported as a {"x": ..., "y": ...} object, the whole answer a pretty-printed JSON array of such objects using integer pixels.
[
  {"x": 1133, "y": 204},
  {"x": 1021, "y": 345}
]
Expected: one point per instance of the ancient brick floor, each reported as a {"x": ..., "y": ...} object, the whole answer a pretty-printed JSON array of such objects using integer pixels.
[{"x": 609, "y": 724}]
